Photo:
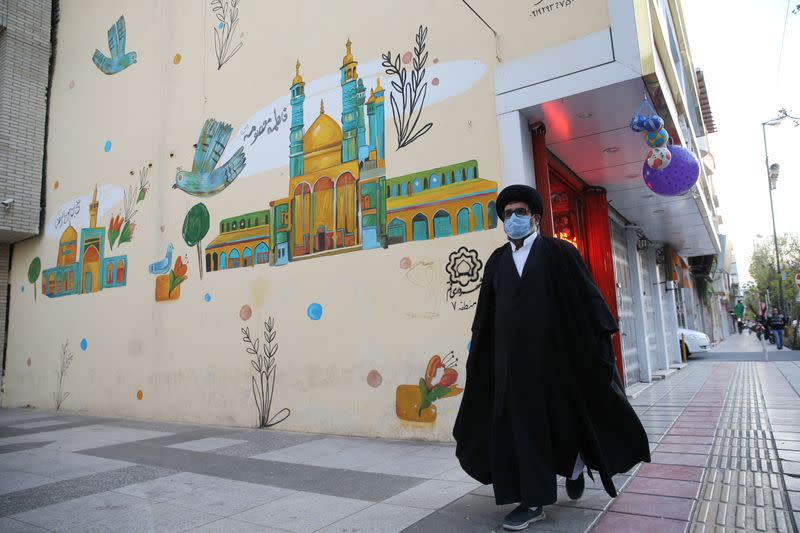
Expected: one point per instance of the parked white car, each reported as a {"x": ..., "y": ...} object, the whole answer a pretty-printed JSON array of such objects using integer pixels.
[{"x": 696, "y": 341}]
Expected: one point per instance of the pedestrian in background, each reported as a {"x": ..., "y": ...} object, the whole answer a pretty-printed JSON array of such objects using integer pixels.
[{"x": 777, "y": 323}]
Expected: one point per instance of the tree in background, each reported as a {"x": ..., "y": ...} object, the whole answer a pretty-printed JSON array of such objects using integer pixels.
[{"x": 765, "y": 273}]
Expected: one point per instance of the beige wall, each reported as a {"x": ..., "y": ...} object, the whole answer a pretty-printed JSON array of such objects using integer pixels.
[{"x": 383, "y": 309}]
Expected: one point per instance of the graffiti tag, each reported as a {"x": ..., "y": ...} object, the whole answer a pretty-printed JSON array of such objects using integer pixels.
[
  {"x": 464, "y": 276},
  {"x": 256, "y": 132},
  {"x": 549, "y": 8}
]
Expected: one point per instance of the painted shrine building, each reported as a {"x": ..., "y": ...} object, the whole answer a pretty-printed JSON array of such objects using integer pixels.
[
  {"x": 81, "y": 266},
  {"x": 243, "y": 241}
]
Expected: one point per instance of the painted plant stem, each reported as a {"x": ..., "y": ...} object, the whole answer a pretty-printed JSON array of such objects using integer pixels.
[
  {"x": 406, "y": 114},
  {"x": 265, "y": 367},
  {"x": 228, "y": 16},
  {"x": 64, "y": 361}
]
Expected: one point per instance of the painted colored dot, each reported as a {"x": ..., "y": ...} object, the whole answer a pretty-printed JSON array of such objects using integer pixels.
[
  {"x": 177, "y": 59},
  {"x": 245, "y": 312},
  {"x": 405, "y": 263},
  {"x": 221, "y": 25},
  {"x": 163, "y": 228},
  {"x": 29, "y": 361},
  {"x": 435, "y": 81},
  {"x": 435, "y": 60},
  {"x": 107, "y": 147},
  {"x": 374, "y": 379},
  {"x": 56, "y": 184},
  {"x": 407, "y": 58},
  {"x": 84, "y": 344},
  {"x": 22, "y": 289},
  {"x": 139, "y": 394},
  {"x": 71, "y": 84},
  {"x": 207, "y": 297},
  {"x": 315, "y": 311}
]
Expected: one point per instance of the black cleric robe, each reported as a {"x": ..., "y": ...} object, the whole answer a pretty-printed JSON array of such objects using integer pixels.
[{"x": 541, "y": 381}]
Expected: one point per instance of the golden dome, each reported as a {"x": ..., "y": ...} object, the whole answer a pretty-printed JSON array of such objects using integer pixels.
[
  {"x": 297, "y": 78},
  {"x": 69, "y": 235},
  {"x": 348, "y": 58},
  {"x": 323, "y": 133}
]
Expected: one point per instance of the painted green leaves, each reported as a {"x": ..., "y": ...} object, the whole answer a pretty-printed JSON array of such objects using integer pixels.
[
  {"x": 34, "y": 269},
  {"x": 195, "y": 227},
  {"x": 177, "y": 275},
  {"x": 430, "y": 395}
]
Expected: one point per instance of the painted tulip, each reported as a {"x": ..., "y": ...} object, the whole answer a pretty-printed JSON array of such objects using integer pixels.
[{"x": 430, "y": 372}]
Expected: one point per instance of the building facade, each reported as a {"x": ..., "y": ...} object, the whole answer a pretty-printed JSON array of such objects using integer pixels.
[{"x": 346, "y": 182}]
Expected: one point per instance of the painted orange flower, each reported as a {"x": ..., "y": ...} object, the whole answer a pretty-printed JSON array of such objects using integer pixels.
[{"x": 180, "y": 268}]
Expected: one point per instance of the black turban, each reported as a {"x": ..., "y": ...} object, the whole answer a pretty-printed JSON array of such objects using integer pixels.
[{"x": 520, "y": 193}]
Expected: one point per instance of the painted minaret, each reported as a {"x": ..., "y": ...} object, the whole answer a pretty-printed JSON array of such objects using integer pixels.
[
  {"x": 376, "y": 123},
  {"x": 298, "y": 96},
  {"x": 363, "y": 147},
  {"x": 349, "y": 82},
  {"x": 93, "y": 209}
]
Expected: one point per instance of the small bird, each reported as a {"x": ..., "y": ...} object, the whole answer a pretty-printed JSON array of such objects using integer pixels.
[
  {"x": 204, "y": 179},
  {"x": 119, "y": 60},
  {"x": 162, "y": 267}
]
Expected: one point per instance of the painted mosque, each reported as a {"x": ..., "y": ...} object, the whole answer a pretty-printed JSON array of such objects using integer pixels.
[
  {"x": 81, "y": 266},
  {"x": 340, "y": 199}
]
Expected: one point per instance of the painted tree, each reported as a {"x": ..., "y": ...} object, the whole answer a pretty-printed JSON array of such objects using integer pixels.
[
  {"x": 34, "y": 269},
  {"x": 195, "y": 228}
]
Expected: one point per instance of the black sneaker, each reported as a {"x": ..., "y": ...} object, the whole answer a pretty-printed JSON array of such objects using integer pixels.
[
  {"x": 521, "y": 517},
  {"x": 575, "y": 487}
]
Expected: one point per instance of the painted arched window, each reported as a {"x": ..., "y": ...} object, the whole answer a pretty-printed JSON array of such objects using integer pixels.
[
  {"x": 242, "y": 224},
  {"x": 417, "y": 185},
  {"x": 233, "y": 259},
  {"x": 459, "y": 175},
  {"x": 52, "y": 284},
  {"x": 58, "y": 282},
  {"x": 262, "y": 254},
  {"x": 477, "y": 215},
  {"x": 441, "y": 224},
  {"x": 215, "y": 261},
  {"x": 247, "y": 257},
  {"x": 397, "y": 231},
  {"x": 235, "y": 225},
  {"x": 120, "y": 271},
  {"x": 71, "y": 280},
  {"x": 470, "y": 173},
  {"x": 491, "y": 210},
  {"x": 419, "y": 227},
  {"x": 394, "y": 189},
  {"x": 208, "y": 262},
  {"x": 223, "y": 261},
  {"x": 404, "y": 189},
  {"x": 109, "y": 273},
  {"x": 435, "y": 181},
  {"x": 463, "y": 220}
]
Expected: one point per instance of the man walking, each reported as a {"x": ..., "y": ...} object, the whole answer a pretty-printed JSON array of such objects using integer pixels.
[
  {"x": 777, "y": 323},
  {"x": 739, "y": 310},
  {"x": 542, "y": 396}
]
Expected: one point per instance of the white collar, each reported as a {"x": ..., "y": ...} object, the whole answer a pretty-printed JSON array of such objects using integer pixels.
[{"x": 526, "y": 244}]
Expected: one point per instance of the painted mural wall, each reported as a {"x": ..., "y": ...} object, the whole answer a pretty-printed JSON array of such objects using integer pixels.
[{"x": 264, "y": 215}]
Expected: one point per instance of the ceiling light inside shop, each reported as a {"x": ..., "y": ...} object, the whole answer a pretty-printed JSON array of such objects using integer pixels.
[
  {"x": 584, "y": 116},
  {"x": 611, "y": 149}
]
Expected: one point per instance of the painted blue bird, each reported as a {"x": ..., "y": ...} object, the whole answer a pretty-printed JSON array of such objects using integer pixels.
[
  {"x": 119, "y": 60},
  {"x": 162, "y": 267},
  {"x": 204, "y": 179}
]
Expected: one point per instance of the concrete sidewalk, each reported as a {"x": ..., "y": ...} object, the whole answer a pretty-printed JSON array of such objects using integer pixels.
[{"x": 726, "y": 453}]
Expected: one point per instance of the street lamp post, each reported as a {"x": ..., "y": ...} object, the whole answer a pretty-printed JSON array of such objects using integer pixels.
[{"x": 772, "y": 178}]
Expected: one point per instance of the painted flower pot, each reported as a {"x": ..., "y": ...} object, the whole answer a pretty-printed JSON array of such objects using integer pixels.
[
  {"x": 162, "y": 289},
  {"x": 407, "y": 403}
]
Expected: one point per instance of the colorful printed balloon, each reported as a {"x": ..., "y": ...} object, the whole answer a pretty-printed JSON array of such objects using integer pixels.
[
  {"x": 653, "y": 123},
  {"x": 659, "y": 158},
  {"x": 656, "y": 139},
  {"x": 675, "y": 179}
]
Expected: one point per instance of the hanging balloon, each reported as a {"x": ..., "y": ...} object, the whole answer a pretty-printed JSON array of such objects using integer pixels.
[
  {"x": 638, "y": 123},
  {"x": 657, "y": 138},
  {"x": 653, "y": 123},
  {"x": 675, "y": 179},
  {"x": 659, "y": 158}
]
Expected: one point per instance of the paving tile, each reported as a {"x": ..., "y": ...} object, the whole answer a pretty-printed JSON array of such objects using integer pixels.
[
  {"x": 788, "y": 445},
  {"x": 657, "y": 506},
  {"x": 625, "y": 523},
  {"x": 687, "y": 439},
  {"x": 663, "y": 487},
  {"x": 596, "y": 499},
  {"x": 15, "y": 480},
  {"x": 790, "y": 468},
  {"x": 39, "y": 424},
  {"x": 228, "y": 525},
  {"x": 694, "y": 432},
  {"x": 703, "y": 449},
  {"x": 679, "y": 472},
  {"x": 788, "y": 455},
  {"x": 207, "y": 444},
  {"x": 160, "y": 517},
  {"x": 227, "y": 498},
  {"x": 379, "y": 518},
  {"x": 432, "y": 494},
  {"x": 476, "y": 509},
  {"x": 80, "y": 513},
  {"x": 679, "y": 459},
  {"x": 58, "y": 465},
  {"x": 779, "y": 435},
  {"x": 794, "y": 500},
  {"x": 9, "y": 525},
  {"x": 791, "y": 483},
  {"x": 292, "y": 512}
]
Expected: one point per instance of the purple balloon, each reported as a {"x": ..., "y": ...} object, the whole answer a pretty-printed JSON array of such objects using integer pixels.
[{"x": 677, "y": 178}]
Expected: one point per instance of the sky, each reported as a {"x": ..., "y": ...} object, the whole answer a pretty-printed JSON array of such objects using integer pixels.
[{"x": 737, "y": 44}]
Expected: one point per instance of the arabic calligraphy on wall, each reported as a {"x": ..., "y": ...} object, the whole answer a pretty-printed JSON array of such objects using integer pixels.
[{"x": 463, "y": 278}]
